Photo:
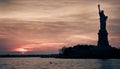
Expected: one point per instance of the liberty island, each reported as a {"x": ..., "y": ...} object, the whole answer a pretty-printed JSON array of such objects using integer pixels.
[{"x": 102, "y": 50}]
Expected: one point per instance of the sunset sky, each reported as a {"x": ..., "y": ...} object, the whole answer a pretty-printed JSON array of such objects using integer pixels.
[{"x": 45, "y": 26}]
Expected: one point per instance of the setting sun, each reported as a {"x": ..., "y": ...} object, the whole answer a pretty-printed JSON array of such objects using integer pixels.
[{"x": 22, "y": 50}]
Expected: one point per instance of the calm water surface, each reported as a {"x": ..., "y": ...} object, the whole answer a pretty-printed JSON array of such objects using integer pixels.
[{"x": 52, "y": 63}]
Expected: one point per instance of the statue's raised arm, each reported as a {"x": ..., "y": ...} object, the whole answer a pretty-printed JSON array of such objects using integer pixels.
[{"x": 99, "y": 7}]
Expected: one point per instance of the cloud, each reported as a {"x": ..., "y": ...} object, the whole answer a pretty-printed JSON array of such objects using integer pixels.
[
  {"x": 6, "y": 45},
  {"x": 4, "y": 1}
]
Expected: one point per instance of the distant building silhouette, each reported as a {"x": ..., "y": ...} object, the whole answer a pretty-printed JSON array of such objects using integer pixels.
[{"x": 102, "y": 34}]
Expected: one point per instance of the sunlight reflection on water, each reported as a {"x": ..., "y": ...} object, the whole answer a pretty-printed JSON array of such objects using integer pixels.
[{"x": 52, "y": 63}]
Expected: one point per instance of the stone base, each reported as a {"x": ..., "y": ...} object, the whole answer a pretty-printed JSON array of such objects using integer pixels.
[{"x": 103, "y": 39}]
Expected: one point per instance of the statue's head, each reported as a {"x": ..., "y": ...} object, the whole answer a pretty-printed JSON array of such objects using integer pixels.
[{"x": 102, "y": 11}]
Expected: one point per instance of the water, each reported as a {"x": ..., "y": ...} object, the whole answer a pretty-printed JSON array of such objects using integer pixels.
[{"x": 52, "y": 63}]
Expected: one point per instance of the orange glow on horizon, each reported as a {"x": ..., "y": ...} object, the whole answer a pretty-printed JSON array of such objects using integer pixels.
[{"x": 21, "y": 50}]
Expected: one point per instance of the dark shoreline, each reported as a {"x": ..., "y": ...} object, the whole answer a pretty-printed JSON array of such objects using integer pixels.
[
  {"x": 54, "y": 56},
  {"x": 42, "y": 56}
]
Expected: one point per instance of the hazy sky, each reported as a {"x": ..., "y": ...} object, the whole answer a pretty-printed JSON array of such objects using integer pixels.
[{"x": 44, "y": 26}]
